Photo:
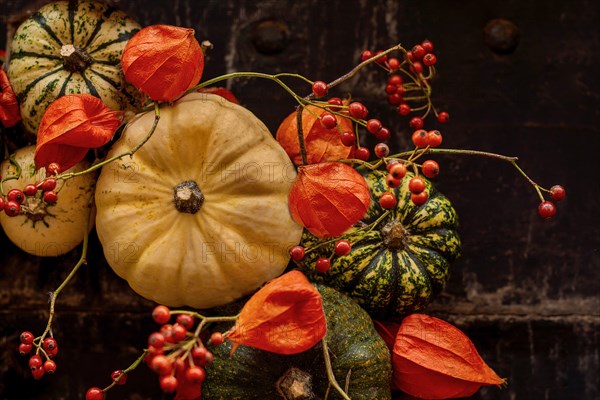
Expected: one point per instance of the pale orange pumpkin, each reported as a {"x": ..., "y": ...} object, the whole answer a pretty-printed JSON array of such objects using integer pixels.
[
  {"x": 41, "y": 229},
  {"x": 199, "y": 215}
]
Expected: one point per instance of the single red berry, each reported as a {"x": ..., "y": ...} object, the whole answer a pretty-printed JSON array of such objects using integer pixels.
[
  {"x": 429, "y": 59},
  {"x": 398, "y": 170},
  {"x": 362, "y": 153},
  {"x": 35, "y": 361},
  {"x": 391, "y": 89},
  {"x": 409, "y": 55},
  {"x": 49, "y": 344},
  {"x": 2, "y": 203},
  {"x": 118, "y": 374},
  {"x": 195, "y": 374},
  {"x": 154, "y": 351},
  {"x": 443, "y": 117},
  {"x": 167, "y": 331},
  {"x": 416, "y": 68},
  {"x": 208, "y": 359},
  {"x": 365, "y": 55},
  {"x": 156, "y": 340},
  {"x": 335, "y": 103},
  {"x": 217, "y": 338},
  {"x": 348, "y": 139},
  {"x": 387, "y": 200},
  {"x": 49, "y": 367},
  {"x": 15, "y": 195},
  {"x": 319, "y": 88},
  {"x": 416, "y": 185},
  {"x": 417, "y": 52},
  {"x": 199, "y": 354},
  {"x": 430, "y": 169},
  {"x": 342, "y": 247},
  {"x": 179, "y": 333},
  {"x": 419, "y": 138},
  {"x": 179, "y": 366},
  {"x": 419, "y": 199},
  {"x": 161, "y": 365},
  {"x": 392, "y": 182},
  {"x": 395, "y": 80},
  {"x": 25, "y": 348},
  {"x": 297, "y": 253},
  {"x": 38, "y": 373},
  {"x": 358, "y": 110},
  {"x": 383, "y": 134},
  {"x": 416, "y": 123},
  {"x": 50, "y": 197},
  {"x": 395, "y": 99},
  {"x": 427, "y": 46},
  {"x": 30, "y": 190},
  {"x": 381, "y": 150},
  {"x": 52, "y": 169},
  {"x": 557, "y": 193},
  {"x": 48, "y": 184},
  {"x": 434, "y": 138},
  {"x": 185, "y": 320},
  {"x": 323, "y": 264},
  {"x": 26, "y": 337},
  {"x": 328, "y": 120},
  {"x": 382, "y": 59},
  {"x": 390, "y": 164},
  {"x": 168, "y": 383},
  {"x": 374, "y": 125},
  {"x": 404, "y": 109},
  {"x": 547, "y": 209},
  {"x": 94, "y": 394},
  {"x": 393, "y": 64},
  {"x": 161, "y": 314}
]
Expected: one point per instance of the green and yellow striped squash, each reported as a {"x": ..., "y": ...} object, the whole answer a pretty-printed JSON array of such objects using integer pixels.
[
  {"x": 399, "y": 265},
  {"x": 69, "y": 47},
  {"x": 358, "y": 356}
]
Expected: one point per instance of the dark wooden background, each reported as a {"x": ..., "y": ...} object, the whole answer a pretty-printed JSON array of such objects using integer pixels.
[{"x": 525, "y": 290}]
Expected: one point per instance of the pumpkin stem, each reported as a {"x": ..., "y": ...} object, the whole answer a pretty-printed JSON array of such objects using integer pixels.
[
  {"x": 394, "y": 235},
  {"x": 35, "y": 209},
  {"x": 188, "y": 197},
  {"x": 295, "y": 384},
  {"x": 75, "y": 59}
]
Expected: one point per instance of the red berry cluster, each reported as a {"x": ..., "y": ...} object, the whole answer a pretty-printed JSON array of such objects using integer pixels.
[
  {"x": 323, "y": 264},
  {"x": 176, "y": 354},
  {"x": 407, "y": 88},
  {"x": 547, "y": 208},
  {"x": 45, "y": 190},
  {"x": 48, "y": 348}
]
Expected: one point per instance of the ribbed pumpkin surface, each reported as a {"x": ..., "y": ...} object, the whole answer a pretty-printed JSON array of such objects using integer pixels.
[
  {"x": 397, "y": 267},
  {"x": 42, "y": 65},
  {"x": 355, "y": 347}
]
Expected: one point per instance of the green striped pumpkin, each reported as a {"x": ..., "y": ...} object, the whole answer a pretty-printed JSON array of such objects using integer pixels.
[
  {"x": 69, "y": 47},
  {"x": 358, "y": 355},
  {"x": 400, "y": 265}
]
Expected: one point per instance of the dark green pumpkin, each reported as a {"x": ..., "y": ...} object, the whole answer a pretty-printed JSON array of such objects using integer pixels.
[
  {"x": 356, "y": 351},
  {"x": 402, "y": 263}
]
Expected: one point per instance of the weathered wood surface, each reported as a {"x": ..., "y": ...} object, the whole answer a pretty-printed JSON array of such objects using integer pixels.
[{"x": 525, "y": 290}]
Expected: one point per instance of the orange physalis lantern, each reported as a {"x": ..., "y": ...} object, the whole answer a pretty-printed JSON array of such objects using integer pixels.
[
  {"x": 71, "y": 126},
  {"x": 328, "y": 198},
  {"x": 9, "y": 107},
  {"x": 432, "y": 359},
  {"x": 163, "y": 61},
  {"x": 322, "y": 144},
  {"x": 284, "y": 317}
]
